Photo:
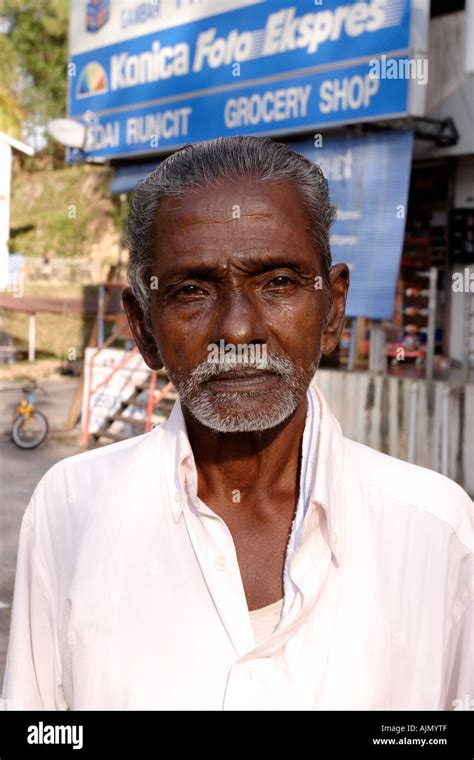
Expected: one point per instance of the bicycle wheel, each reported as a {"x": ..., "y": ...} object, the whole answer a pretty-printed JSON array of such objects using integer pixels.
[
  {"x": 14, "y": 418},
  {"x": 29, "y": 432}
]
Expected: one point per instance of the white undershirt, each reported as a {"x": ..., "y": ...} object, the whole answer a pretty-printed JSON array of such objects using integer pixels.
[{"x": 265, "y": 620}]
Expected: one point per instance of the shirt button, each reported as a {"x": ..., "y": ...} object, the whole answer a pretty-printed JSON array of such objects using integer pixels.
[
  {"x": 177, "y": 497},
  {"x": 220, "y": 562},
  {"x": 71, "y": 497},
  {"x": 252, "y": 670}
]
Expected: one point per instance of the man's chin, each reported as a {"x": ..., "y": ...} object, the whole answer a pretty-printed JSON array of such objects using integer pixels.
[{"x": 232, "y": 413}]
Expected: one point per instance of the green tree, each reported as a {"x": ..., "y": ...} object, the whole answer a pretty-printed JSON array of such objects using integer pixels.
[
  {"x": 12, "y": 115},
  {"x": 37, "y": 31}
]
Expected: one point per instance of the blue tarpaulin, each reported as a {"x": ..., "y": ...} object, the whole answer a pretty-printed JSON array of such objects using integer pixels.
[
  {"x": 369, "y": 178},
  {"x": 127, "y": 177}
]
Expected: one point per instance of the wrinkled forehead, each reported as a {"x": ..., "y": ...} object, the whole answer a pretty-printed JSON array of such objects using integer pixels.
[{"x": 240, "y": 215}]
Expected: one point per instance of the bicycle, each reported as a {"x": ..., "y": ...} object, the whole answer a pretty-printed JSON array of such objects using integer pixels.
[{"x": 30, "y": 427}]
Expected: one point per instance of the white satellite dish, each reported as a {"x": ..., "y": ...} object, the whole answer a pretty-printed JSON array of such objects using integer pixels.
[{"x": 68, "y": 132}]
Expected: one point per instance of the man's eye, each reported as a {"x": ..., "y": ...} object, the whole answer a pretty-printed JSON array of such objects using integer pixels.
[
  {"x": 280, "y": 281},
  {"x": 190, "y": 290}
]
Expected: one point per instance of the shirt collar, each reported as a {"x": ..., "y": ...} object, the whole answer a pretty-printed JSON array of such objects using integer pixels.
[
  {"x": 324, "y": 455},
  {"x": 180, "y": 469}
]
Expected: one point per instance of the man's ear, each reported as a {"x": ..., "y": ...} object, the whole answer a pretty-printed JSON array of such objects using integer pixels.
[
  {"x": 339, "y": 278},
  {"x": 143, "y": 337}
]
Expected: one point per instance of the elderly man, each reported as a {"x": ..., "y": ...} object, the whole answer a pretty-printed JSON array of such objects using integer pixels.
[{"x": 245, "y": 555}]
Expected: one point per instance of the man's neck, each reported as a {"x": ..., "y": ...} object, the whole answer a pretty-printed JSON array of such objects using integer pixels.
[{"x": 255, "y": 464}]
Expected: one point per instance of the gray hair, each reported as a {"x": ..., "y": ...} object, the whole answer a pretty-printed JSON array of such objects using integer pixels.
[{"x": 203, "y": 165}]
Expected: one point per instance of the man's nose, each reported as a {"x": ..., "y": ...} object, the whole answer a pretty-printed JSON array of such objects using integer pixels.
[{"x": 240, "y": 319}]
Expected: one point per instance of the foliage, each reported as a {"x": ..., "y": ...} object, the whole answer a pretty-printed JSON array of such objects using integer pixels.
[
  {"x": 62, "y": 212},
  {"x": 33, "y": 59},
  {"x": 11, "y": 111}
]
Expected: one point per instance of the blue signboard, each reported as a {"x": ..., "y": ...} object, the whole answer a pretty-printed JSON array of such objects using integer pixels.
[
  {"x": 150, "y": 77},
  {"x": 369, "y": 177}
]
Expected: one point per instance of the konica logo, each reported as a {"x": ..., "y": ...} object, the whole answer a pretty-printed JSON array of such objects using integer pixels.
[{"x": 92, "y": 80}]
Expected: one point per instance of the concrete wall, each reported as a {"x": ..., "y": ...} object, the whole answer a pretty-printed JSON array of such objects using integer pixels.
[
  {"x": 450, "y": 88},
  {"x": 401, "y": 418}
]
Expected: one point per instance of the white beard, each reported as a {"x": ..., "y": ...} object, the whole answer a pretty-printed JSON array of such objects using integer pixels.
[{"x": 224, "y": 411}]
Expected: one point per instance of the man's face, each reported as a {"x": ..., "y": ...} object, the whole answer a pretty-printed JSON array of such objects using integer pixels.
[{"x": 237, "y": 267}]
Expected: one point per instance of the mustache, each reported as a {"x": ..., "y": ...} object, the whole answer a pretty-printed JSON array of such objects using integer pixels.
[{"x": 270, "y": 362}]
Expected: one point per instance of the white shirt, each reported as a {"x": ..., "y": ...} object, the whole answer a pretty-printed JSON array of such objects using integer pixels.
[
  {"x": 265, "y": 620},
  {"x": 128, "y": 593}
]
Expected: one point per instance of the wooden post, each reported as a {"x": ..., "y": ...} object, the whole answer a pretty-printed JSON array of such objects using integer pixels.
[
  {"x": 353, "y": 344},
  {"x": 431, "y": 337},
  {"x": 100, "y": 315},
  {"x": 32, "y": 338},
  {"x": 377, "y": 348}
]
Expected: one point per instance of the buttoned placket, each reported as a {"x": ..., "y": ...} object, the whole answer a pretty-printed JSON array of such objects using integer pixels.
[
  {"x": 215, "y": 550},
  {"x": 256, "y": 680}
]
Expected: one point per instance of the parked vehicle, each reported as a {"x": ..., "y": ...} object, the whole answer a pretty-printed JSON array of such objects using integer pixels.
[{"x": 30, "y": 426}]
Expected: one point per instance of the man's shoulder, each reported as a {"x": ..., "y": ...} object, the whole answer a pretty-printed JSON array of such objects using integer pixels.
[
  {"x": 410, "y": 487},
  {"x": 110, "y": 455},
  {"x": 86, "y": 470}
]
